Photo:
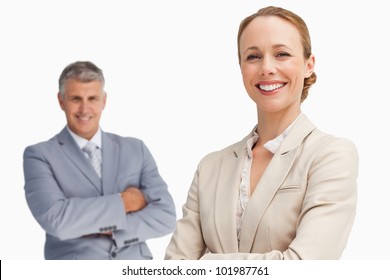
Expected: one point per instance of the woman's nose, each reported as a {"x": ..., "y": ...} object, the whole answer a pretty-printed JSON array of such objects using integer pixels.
[{"x": 267, "y": 66}]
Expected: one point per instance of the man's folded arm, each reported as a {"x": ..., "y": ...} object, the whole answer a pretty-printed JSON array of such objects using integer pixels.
[
  {"x": 62, "y": 217},
  {"x": 158, "y": 217}
]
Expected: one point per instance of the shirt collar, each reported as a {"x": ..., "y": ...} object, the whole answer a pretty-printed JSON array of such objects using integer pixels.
[
  {"x": 81, "y": 142},
  {"x": 272, "y": 145}
]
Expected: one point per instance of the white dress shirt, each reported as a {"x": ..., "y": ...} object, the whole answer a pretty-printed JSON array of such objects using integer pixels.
[
  {"x": 81, "y": 142},
  {"x": 244, "y": 195}
]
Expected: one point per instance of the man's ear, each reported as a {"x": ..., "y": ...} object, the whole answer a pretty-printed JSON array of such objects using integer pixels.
[
  {"x": 60, "y": 101},
  {"x": 104, "y": 99}
]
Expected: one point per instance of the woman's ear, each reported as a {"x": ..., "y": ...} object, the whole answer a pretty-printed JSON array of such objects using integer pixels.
[{"x": 310, "y": 62}]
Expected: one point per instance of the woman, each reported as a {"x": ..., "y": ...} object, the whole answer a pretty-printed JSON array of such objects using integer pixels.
[{"x": 287, "y": 190}]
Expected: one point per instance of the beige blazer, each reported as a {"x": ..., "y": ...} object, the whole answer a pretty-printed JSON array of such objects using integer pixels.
[{"x": 302, "y": 208}]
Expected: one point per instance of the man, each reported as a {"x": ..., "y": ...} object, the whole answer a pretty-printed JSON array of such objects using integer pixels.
[{"x": 102, "y": 202}]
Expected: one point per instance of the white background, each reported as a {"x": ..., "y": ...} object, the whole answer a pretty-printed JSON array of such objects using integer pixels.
[{"x": 173, "y": 80}]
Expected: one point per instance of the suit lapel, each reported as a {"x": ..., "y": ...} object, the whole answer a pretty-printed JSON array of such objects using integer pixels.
[
  {"x": 227, "y": 196},
  {"x": 110, "y": 158},
  {"x": 271, "y": 180},
  {"x": 75, "y": 155}
]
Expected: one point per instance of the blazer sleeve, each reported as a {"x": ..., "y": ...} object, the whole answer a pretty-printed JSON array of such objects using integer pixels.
[
  {"x": 328, "y": 209},
  {"x": 62, "y": 216},
  {"x": 158, "y": 218},
  {"x": 187, "y": 240}
]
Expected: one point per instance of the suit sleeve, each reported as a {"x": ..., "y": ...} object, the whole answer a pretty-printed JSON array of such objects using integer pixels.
[
  {"x": 158, "y": 218},
  {"x": 62, "y": 216},
  {"x": 329, "y": 207},
  {"x": 187, "y": 240}
]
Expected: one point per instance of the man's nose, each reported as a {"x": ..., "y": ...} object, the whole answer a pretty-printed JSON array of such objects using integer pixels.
[{"x": 83, "y": 106}]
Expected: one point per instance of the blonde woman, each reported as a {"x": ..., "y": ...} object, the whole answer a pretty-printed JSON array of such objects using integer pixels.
[{"x": 287, "y": 190}]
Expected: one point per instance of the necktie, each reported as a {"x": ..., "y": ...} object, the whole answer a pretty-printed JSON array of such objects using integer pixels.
[{"x": 95, "y": 157}]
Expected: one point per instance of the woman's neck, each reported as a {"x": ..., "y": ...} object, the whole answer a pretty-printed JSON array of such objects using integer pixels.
[{"x": 270, "y": 125}]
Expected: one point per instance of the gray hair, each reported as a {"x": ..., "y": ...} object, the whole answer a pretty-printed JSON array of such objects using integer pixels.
[{"x": 82, "y": 71}]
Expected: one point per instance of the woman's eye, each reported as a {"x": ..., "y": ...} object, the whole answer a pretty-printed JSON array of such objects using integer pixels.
[
  {"x": 282, "y": 54},
  {"x": 253, "y": 57}
]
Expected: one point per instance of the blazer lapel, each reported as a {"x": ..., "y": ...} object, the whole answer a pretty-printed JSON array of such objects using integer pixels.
[
  {"x": 271, "y": 180},
  {"x": 227, "y": 197},
  {"x": 110, "y": 158},
  {"x": 75, "y": 155}
]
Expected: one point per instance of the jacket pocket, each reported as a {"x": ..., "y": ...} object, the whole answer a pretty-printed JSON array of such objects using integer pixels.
[{"x": 289, "y": 187}]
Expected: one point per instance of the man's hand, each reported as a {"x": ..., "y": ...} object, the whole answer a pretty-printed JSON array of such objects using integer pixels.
[{"x": 133, "y": 199}]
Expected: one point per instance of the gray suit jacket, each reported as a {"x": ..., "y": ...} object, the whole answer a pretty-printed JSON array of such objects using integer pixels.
[
  {"x": 73, "y": 205},
  {"x": 302, "y": 208}
]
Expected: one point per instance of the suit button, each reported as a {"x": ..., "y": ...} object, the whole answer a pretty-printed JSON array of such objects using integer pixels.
[{"x": 113, "y": 254}]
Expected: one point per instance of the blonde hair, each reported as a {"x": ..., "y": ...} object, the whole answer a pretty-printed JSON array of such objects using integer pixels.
[{"x": 300, "y": 25}]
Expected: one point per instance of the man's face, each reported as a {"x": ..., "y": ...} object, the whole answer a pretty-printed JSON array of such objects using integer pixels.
[{"x": 83, "y": 104}]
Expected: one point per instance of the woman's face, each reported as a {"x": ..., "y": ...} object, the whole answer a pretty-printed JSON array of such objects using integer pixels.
[{"x": 272, "y": 64}]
